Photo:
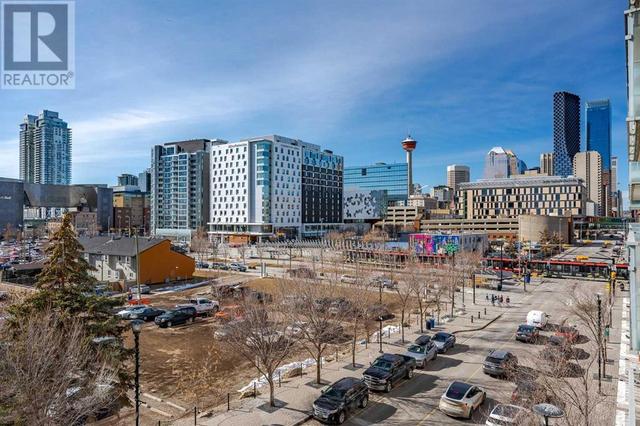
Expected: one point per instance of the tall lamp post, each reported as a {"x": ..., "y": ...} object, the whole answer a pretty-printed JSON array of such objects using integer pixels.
[
  {"x": 136, "y": 327},
  {"x": 599, "y": 344}
]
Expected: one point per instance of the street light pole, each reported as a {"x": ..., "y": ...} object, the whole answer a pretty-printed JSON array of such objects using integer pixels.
[
  {"x": 136, "y": 327},
  {"x": 599, "y": 344}
]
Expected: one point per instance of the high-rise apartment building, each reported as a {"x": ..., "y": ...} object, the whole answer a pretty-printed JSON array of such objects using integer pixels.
[
  {"x": 587, "y": 166},
  {"x": 502, "y": 163},
  {"x": 45, "y": 149},
  {"x": 457, "y": 174},
  {"x": 274, "y": 185},
  {"x": 546, "y": 164},
  {"x": 599, "y": 130},
  {"x": 522, "y": 195},
  {"x": 126, "y": 179},
  {"x": 566, "y": 132},
  {"x": 180, "y": 187},
  {"x": 380, "y": 176}
]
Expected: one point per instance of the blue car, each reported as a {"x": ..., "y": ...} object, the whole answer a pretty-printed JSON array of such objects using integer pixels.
[{"x": 443, "y": 341}]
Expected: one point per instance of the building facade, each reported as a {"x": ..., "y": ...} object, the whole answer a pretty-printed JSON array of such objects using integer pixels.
[
  {"x": 546, "y": 164},
  {"x": 179, "y": 197},
  {"x": 566, "y": 132},
  {"x": 126, "y": 179},
  {"x": 511, "y": 197},
  {"x": 382, "y": 177},
  {"x": 587, "y": 166},
  {"x": 457, "y": 174},
  {"x": 45, "y": 149},
  {"x": 273, "y": 185}
]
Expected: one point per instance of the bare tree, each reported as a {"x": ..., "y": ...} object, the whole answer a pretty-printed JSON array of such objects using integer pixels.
[
  {"x": 49, "y": 375},
  {"x": 262, "y": 339},
  {"x": 318, "y": 309}
]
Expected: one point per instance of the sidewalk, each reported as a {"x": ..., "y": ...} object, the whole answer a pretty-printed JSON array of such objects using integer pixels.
[
  {"x": 628, "y": 399},
  {"x": 295, "y": 396}
]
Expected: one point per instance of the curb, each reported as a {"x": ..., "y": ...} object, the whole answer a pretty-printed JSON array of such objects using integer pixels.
[
  {"x": 303, "y": 421},
  {"x": 479, "y": 328}
]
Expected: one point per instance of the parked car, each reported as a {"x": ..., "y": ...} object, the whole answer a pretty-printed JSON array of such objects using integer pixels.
[
  {"x": 500, "y": 363},
  {"x": 348, "y": 279},
  {"x": 461, "y": 399},
  {"x": 422, "y": 340},
  {"x": 387, "y": 370},
  {"x": 537, "y": 319},
  {"x": 146, "y": 313},
  {"x": 444, "y": 341},
  {"x": 527, "y": 333},
  {"x": 203, "y": 306},
  {"x": 384, "y": 282},
  {"x": 238, "y": 267},
  {"x": 422, "y": 353},
  {"x": 506, "y": 414},
  {"x": 177, "y": 316},
  {"x": 339, "y": 399},
  {"x": 568, "y": 332},
  {"x": 126, "y": 312}
]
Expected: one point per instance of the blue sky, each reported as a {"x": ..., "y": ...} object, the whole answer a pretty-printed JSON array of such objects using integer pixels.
[{"x": 352, "y": 76}]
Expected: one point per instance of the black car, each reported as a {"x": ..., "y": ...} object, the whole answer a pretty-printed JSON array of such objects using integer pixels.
[
  {"x": 176, "y": 316},
  {"x": 422, "y": 340},
  {"x": 339, "y": 399},
  {"x": 527, "y": 333},
  {"x": 388, "y": 369},
  {"x": 500, "y": 363},
  {"x": 146, "y": 314}
]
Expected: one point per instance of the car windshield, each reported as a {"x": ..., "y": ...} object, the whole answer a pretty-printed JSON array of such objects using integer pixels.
[
  {"x": 525, "y": 329},
  {"x": 457, "y": 390},
  {"x": 382, "y": 365},
  {"x": 335, "y": 393},
  {"x": 440, "y": 337},
  {"x": 417, "y": 349}
]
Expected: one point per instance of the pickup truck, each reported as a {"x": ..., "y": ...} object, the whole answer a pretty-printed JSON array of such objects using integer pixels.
[
  {"x": 204, "y": 307},
  {"x": 387, "y": 370}
]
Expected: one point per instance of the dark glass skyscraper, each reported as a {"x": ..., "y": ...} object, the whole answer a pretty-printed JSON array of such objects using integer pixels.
[
  {"x": 566, "y": 131},
  {"x": 599, "y": 130}
]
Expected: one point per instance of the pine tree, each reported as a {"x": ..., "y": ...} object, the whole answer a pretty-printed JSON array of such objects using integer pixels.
[{"x": 65, "y": 287}]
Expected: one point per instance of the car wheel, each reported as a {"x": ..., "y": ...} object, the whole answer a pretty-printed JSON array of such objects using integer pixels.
[
  {"x": 169, "y": 323},
  {"x": 364, "y": 401},
  {"x": 409, "y": 373},
  {"x": 341, "y": 417},
  {"x": 387, "y": 387}
]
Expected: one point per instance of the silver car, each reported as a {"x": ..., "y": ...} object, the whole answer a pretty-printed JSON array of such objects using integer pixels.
[{"x": 422, "y": 354}]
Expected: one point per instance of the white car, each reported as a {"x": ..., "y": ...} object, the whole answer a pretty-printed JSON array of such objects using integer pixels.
[
  {"x": 461, "y": 399},
  {"x": 506, "y": 414},
  {"x": 204, "y": 307},
  {"x": 537, "y": 319}
]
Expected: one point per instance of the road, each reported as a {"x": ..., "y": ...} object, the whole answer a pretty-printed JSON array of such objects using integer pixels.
[{"x": 416, "y": 401}]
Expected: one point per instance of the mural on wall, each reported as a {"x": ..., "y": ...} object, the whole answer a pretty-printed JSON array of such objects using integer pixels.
[{"x": 436, "y": 244}]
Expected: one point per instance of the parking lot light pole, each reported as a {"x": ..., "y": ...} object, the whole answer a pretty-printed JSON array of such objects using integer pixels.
[
  {"x": 136, "y": 327},
  {"x": 599, "y": 344}
]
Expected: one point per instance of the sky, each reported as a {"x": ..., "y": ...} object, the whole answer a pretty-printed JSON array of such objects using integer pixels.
[{"x": 352, "y": 76}]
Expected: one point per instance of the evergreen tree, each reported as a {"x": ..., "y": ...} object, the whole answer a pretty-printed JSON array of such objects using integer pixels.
[{"x": 65, "y": 287}]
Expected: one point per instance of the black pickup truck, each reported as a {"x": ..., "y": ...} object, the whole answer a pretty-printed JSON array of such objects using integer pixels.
[{"x": 387, "y": 370}]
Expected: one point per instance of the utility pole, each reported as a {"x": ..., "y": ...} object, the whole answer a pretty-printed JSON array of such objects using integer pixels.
[{"x": 138, "y": 269}]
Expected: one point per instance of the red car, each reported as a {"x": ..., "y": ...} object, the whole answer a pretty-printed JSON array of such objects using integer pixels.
[{"x": 568, "y": 332}]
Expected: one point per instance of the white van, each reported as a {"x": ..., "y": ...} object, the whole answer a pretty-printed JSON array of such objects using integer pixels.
[{"x": 537, "y": 319}]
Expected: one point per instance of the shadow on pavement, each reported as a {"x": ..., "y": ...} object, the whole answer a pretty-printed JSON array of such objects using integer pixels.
[{"x": 418, "y": 384}]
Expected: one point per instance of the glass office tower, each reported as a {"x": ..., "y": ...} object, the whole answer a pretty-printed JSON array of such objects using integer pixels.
[
  {"x": 380, "y": 176},
  {"x": 599, "y": 130}
]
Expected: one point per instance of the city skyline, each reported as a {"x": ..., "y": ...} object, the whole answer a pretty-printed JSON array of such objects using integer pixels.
[{"x": 343, "y": 91}]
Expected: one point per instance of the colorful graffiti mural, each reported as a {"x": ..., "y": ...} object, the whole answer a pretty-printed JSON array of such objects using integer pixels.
[{"x": 435, "y": 244}]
